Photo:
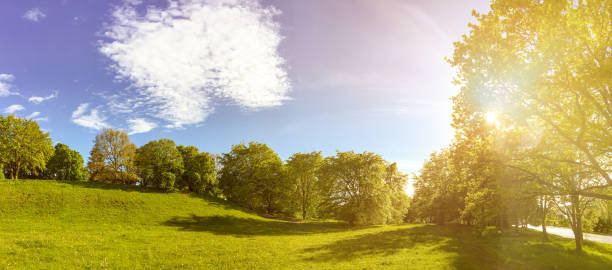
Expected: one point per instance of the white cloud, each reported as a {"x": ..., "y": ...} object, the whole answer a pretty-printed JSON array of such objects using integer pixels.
[
  {"x": 180, "y": 58},
  {"x": 34, "y": 15},
  {"x": 140, "y": 125},
  {"x": 38, "y": 100},
  {"x": 93, "y": 120},
  {"x": 6, "y": 84},
  {"x": 32, "y": 115},
  {"x": 13, "y": 109}
]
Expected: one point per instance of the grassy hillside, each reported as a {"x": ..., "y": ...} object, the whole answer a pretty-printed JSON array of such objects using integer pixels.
[{"x": 52, "y": 225}]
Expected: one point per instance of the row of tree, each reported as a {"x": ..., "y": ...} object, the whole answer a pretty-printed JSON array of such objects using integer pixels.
[
  {"x": 360, "y": 188},
  {"x": 533, "y": 121},
  {"x": 159, "y": 164}
]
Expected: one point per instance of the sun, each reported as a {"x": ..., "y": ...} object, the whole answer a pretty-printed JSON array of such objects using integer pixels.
[{"x": 491, "y": 118}]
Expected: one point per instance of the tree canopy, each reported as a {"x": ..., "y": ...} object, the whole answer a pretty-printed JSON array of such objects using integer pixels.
[
  {"x": 65, "y": 164},
  {"x": 254, "y": 176},
  {"x": 23, "y": 146},
  {"x": 159, "y": 164},
  {"x": 303, "y": 170},
  {"x": 357, "y": 188},
  {"x": 200, "y": 171},
  {"x": 112, "y": 158}
]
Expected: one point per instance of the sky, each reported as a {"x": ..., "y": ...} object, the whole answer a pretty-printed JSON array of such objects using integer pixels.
[{"x": 300, "y": 76}]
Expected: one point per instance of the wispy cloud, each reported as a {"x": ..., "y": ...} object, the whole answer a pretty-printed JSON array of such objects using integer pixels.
[
  {"x": 38, "y": 100},
  {"x": 180, "y": 58},
  {"x": 140, "y": 125},
  {"x": 93, "y": 120},
  {"x": 6, "y": 84},
  {"x": 34, "y": 15},
  {"x": 13, "y": 109},
  {"x": 34, "y": 116}
]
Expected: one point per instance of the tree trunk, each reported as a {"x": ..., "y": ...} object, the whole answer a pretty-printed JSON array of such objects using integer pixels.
[
  {"x": 545, "y": 235},
  {"x": 578, "y": 234},
  {"x": 17, "y": 171}
]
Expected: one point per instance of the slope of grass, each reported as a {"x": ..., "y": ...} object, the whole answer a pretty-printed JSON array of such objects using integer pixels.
[{"x": 52, "y": 225}]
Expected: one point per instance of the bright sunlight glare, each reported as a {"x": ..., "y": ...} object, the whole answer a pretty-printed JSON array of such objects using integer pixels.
[{"x": 491, "y": 118}]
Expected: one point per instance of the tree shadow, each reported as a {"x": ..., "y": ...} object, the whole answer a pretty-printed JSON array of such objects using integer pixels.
[
  {"x": 111, "y": 186},
  {"x": 245, "y": 227},
  {"x": 470, "y": 248},
  {"x": 381, "y": 244}
]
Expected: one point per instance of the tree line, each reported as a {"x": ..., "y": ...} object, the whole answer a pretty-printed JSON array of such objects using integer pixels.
[
  {"x": 533, "y": 122},
  {"x": 359, "y": 188}
]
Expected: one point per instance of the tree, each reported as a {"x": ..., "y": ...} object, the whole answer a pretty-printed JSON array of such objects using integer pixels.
[
  {"x": 23, "y": 146},
  {"x": 400, "y": 202},
  {"x": 438, "y": 196},
  {"x": 158, "y": 164},
  {"x": 354, "y": 188},
  {"x": 200, "y": 172},
  {"x": 65, "y": 164},
  {"x": 254, "y": 176},
  {"x": 112, "y": 158},
  {"x": 544, "y": 66},
  {"x": 303, "y": 171}
]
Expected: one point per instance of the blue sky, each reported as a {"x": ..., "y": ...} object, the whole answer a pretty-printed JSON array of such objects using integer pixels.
[{"x": 298, "y": 75}]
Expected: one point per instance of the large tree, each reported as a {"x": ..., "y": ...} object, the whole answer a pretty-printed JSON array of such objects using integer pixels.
[
  {"x": 303, "y": 171},
  {"x": 159, "y": 164},
  {"x": 23, "y": 146},
  {"x": 112, "y": 158},
  {"x": 254, "y": 176},
  {"x": 65, "y": 164},
  {"x": 354, "y": 188},
  {"x": 544, "y": 66}
]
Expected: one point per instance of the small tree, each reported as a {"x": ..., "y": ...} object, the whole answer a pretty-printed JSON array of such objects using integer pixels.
[
  {"x": 158, "y": 163},
  {"x": 65, "y": 164},
  {"x": 23, "y": 146},
  {"x": 200, "y": 174},
  {"x": 112, "y": 158},
  {"x": 303, "y": 171}
]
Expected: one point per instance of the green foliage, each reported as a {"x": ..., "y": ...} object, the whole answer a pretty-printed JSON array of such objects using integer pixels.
[
  {"x": 1, "y": 171},
  {"x": 23, "y": 146},
  {"x": 65, "y": 164},
  {"x": 532, "y": 119},
  {"x": 254, "y": 176},
  {"x": 158, "y": 163},
  {"x": 112, "y": 158},
  {"x": 200, "y": 172},
  {"x": 400, "y": 202},
  {"x": 354, "y": 189},
  {"x": 303, "y": 170}
]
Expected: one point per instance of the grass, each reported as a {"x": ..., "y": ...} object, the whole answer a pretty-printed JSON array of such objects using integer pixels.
[{"x": 53, "y": 225}]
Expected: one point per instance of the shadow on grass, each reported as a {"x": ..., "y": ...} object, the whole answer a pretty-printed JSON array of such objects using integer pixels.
[
  {"x": 468, "y": 248},
  {"x": 111, "y": 186},
  {"x": 244, "y": 227}
]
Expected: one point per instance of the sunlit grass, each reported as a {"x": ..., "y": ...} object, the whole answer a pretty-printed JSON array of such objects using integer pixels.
[{"x": 51, "y": 225}]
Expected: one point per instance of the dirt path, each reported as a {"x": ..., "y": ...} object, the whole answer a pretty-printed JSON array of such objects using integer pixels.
[{"x": 567, "y": 233}]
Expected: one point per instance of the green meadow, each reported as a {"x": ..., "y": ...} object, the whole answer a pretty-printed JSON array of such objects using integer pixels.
[{"x": 58, "y": 225}]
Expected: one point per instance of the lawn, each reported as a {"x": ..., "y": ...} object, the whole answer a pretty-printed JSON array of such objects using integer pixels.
[{"x": 54, "y": 225}]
